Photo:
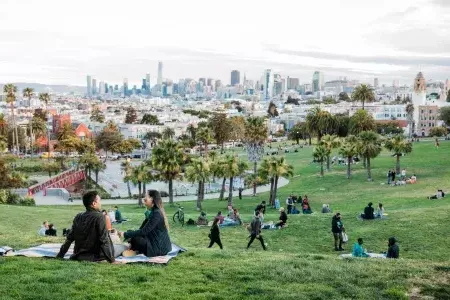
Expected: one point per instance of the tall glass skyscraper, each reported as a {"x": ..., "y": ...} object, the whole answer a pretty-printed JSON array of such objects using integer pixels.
[
  {"x": 235, "y": 77},
  {"x": 160, "y": 73},
  {"x": 89, "y": 86},
  {"x": 317, "y": 82}
]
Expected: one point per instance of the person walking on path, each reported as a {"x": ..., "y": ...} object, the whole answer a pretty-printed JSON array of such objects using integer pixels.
[
  {"x": 255, "y": 231},
  {"x": 214, "y": 235}
]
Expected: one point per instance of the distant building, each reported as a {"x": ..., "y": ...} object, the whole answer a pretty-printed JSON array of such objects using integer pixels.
[
  {"x": 101, "y": 88},
  {"x": 267, "y": 85},
  {"x": 125, "y": 86},
  {"x": 89, "y": 86},
  {"x": 376, "y": 83},
  {"x": 160, "y": 73},
  {"x": 292, "y": 83},
  {"x": 428, "y": 118},
  {"x": 94, "y": 86},
  {"x": 235, "y": 77},
  {"x": 147, "y": 83},
  {"x": 317, "y": 82}
]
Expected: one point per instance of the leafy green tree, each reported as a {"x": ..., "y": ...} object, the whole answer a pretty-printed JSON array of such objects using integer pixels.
[
  {"x": 330, "y": 142},
  {"x": 274, "y": 168},
  {"x": 220, "y": 126},
  {"x": 131, "y": 116},
  {"x": 204, "y": 137},
  {"x": 343, "y": 96},
  {"x": 320, "y": 122},
  {"x": 444, "y": 115},
  {"x": 10, "y": 178},
  {"x": 233, "y": 167},
  {"x": 399, "y": 145},
  {"x": 237, "y": 128},
  {"x": 364, "y": 94},
  {"x": 320, "y": 154},
  {"x": 198, "y": 171},
  {"x": 272, "y": 111},
  {"x": 97, "y": 115},
  {"x": 109, "y": 137},
  {"x": 3, "y": 125},
  {"x": 168, "y": 133},
  {"x": 3, "y": 144},
  {"x": 127, "y": 170},
  {"x": 150, "y": 119},
  {"x": 349, "y": 148},
  {"x": 191, "y": 130},
  {"x": 51, "y": 168},
  {"x": 126, "y": 146},
  {"x": 29, "y": 93},
  {"x": 369, "y": 147},
  {"x": 167, "y": 159},
  {"x": 361, "y": 121},
  {"x": 141, "y": 175},
  {"x": 299, "y": 131},
  {"x": 438, "y": 131}
]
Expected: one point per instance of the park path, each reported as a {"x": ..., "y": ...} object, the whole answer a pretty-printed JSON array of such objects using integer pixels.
[{"x": 55, "y": 200}]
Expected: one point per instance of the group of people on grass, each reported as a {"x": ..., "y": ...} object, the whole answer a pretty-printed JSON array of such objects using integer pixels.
[
  {"x": 47, "y": 229},
  {"x": 292, "y": 204},
  {"x": 393, "y": 180},
  {"x": 370, "y": 214},
  {"x": 439, "y": 195}
]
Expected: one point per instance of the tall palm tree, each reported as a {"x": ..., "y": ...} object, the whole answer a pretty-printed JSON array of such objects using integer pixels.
[
  {"x": 233, "y": 168},
  {"x": 399, "y": 145},
  {"x": 349, "y": 149},
  {"x": 3, "y": 144},
  {"x": 45, "y": 98},
  {"x": 218, "y": 170},
  {"x": 29, "y": 93},
  {"x": 204, "y": 137},
  {"x": 364, "y": 94},
  {"x": 320, "y": 122},
  {"x": 126, "y": 170},
  {"x": 38, "y": 128},
  {"x": 410, "y": 118},
  {"x": 265, "y": 172},
  {"x": 255, "y": 136},
  {"x": 87, "y": 161},
  {"x": 361, "y": 121},
  {"x": 330, "y": 142},
  {"x": 191, "y": 130},
  {"x": 280, "y": 168},
  {"x": 140, "y": 175},
  {"x": 199, "y": 172},
  {"x": 320, "y": 154},
  {"x": 370, "y": 147},
  {"x": 167, "y": 159},
  {"x": 10, "y": 90},
  {"x": 168, "y": 133}
]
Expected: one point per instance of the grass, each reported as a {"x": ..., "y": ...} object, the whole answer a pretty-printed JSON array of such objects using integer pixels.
[{"x": 300, "y": 262}]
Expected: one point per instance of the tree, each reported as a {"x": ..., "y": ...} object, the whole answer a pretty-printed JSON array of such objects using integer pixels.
[
  {"x": 140, "y": 175},
  {"x": 444, "y": 115},
  {"x": 88, "y": 161},
  {"x": 168, "y": 133},
  {"x": 349, "y": 150},
  {"x": 11, "y": 179},
  {"x": 369, "y": 147},
  {"x": 448, "y": 96},
  {"x": 38, "y": 128},
  {"x": 126, "y": 146},
  {"x": 150, "y": 119},
  {"x": 126, "y": 171},
  {"x": 67, "y": 141},
  {"x": 97, "y": 115},
  {"x": 204, "y": 137},
  {"x": 220, "y": 126},
  {"x": 299, "y": 131},
  {"x": 191, "y": 130},
  {"x": 3, "y": 144},
  {"x": 233, "y": 168},
  {"x": 10, "y": 90},
  {"x": 29, "y": 93},
  {"x": 199, "y": 172},
  {"x": 410, "y": 118},
  {"x": 237, "y": 128},
  {"x": 167, "y": 159},
  {"x": 438, "y": 131},
  {"x": 364, "y": 94},
  {"x": 274, "y": 168},
  {"x": 51, "y": 167},
  {"x": 319, "y": 123},
  {"x": 130, "y": 116},
  {"x": 330, "y": 142},
  {"x": 45, "y": 98},
  {"x": 343, "y": 123},
  {"x": 255, "y": 137},
  {"x": 3, "y": 125},
  {"x": 272, "y": 111},
  {"x": 41, "y": 114},
  {"x": 109, "y": 137},
  {"x": 361, "y": 121},
  {"x": 391, "y": 127},
  {"x": 399, "y": 145},
  {"x": 218, "y": 170},
  {"x": 343, "y": 96},
  {"x": 86, "y": 146},
  {"x": 320, "y": 154},
  {"x": 291, "y": 100}
]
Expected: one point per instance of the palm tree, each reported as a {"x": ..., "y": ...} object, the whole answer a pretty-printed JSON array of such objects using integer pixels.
[
  {"x": 87, "y": 161},
  {"x": 265, "y": 173},
  {"x": 320, "y": 122},
  {"x": 168, "y": 133},
  {"x": 349, "y": 149},
  {"x": 126, "y": 170},
  {"x": 410, "y": 118},
  {"x": 364, "y": 94},
  {"x": 45, "y": 98},
  {"x": 10, "y": 90},
  {"x": 233, "y": 167},
  {"x": 320, "y": 154},
  {"x": 361, "y": 121},
  {"x": 399, "y": 145},
  {"x": 140, "y": 175},
  {"x": 370, "y": 147},
  {"x": 98, "y": 167},
  {"x": 255, "y": 136},
  {"x": 218, "y": 170},
  {"x": 38, "y": 128},
  {"x": 167, "y": 159},
  {"x": 279, "y": 169},
  {"x": 191, "y": 130},
  {"x": 199, "y": 171},
  {"x": 29, "y": 93},
  {"x": 330, "y": 142},
  {"x": 204, "y": 137}
]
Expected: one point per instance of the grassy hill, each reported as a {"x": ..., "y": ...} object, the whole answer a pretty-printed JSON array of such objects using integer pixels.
[{"x": 300, "y": 262}]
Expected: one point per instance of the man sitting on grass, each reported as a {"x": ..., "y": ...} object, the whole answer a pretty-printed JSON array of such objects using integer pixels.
[
  {"x": 118, "y": 215},
  {"x": 92, "y": 241},
  {"x": 368, "y": 212}
]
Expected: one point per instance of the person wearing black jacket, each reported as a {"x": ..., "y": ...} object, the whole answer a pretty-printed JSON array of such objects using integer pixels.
[
  {"x": 393, "y": 250},
  {"x": 92, "y": 241},
  {"x": 255, "y": 231},
  {"x": 337, "y": 228},
  {"x": 283, "y": 218},
  {"x": 214, "y": 235},
  {"x": 152, "y": 238},
  {"x": 50, "y": 231},
  {"x": 368, "y": 212}
]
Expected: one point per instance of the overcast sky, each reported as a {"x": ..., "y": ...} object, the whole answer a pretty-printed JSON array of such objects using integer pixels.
[{"x": 60, "y": 42}]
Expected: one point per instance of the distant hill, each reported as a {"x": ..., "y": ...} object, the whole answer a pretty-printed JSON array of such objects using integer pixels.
[{"x": 40, "y": 88}]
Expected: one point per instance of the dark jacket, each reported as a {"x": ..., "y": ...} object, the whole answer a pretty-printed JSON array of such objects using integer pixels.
[
  {"x": 393, "y": 251},
  {"x": 152, "y": 238},
  {"x": 255, "y": 226},
  {"x": 368, "y": 212},
  {"x": 92, "y": 241},
  {"x": 118, "y": 216},
  {"x": 336, "y": 225},
  {"x": 215, "y": 232},
  {"x": 283, "y": 217},
  {"x": 50, "y": 232}
]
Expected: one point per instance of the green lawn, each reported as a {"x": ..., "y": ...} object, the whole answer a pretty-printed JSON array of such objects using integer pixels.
[{"x": 300, "y": 262}]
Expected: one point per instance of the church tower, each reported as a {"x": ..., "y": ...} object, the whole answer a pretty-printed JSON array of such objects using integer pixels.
[{"x": 419, "y": 98}]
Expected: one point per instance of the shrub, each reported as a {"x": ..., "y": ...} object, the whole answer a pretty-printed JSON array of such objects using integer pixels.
[
  {"x": 29, "y": 169},
  {"x": 13, "y": 199},
  {"x": 4, "y": 196},
  {"x": 27, "y": 201}
]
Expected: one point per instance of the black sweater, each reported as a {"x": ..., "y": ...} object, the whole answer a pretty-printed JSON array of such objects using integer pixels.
[{"x": 215, "y": 233}]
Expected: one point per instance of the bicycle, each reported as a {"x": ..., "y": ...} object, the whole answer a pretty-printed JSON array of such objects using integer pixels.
[{"x": 178, "y": 216}]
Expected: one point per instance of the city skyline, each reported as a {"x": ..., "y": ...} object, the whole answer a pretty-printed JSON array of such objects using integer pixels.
[{"x": 389, "y": 44}]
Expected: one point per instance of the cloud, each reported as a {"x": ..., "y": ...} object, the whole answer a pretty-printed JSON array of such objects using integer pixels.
[
  {"x": 396, "y": 16},
  {"x": 443, "y": 3}
]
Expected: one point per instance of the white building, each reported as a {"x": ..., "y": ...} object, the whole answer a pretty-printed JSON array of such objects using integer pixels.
[{"x": 267, "y": 84}]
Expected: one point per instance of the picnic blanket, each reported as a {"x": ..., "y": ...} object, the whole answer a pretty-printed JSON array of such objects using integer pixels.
[
  {"x": 51, "y": 250},
  {"x": 371, "y": 255}
]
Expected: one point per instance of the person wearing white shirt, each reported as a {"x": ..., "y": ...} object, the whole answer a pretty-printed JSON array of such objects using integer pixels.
[
  {"x": 44, "y": 227},
  {"x": 403, "y": 174}
]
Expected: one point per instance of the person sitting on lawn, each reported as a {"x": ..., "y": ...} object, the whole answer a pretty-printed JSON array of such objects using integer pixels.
[
  {"x": 306, "y": 208},
  {"x": 283, "y": 218},
  {"x": 152, "y": 238},
  {"x": 358, "y": 250},
  {"x": 412, "y": 179},
  {"x": 393, "y": 250},
  {"x": 44, "y": 227},
  {"x": 202, "y": 220},
  {"x": 118, "y": 215},
  {"x": 368, "y": 212},
  {"x": 295, "y": 210},
  {"x": 214, "y": 235},
  {"x": 305, "y": 200},
  {"x": 326, "y": 209},
  {"x": 112, "y": 215},
  {"x": 92, "y": 241},
  {"x": 380, "y": 211},
  {"x": 230, "y": 212},
  {"x": 220, "y": 217},
  {"x": 107, "y": 220},
  {"x": 440, "y": 194},
  {"x": 50, "y": 231},
  {"x": 237, "y": 216}
]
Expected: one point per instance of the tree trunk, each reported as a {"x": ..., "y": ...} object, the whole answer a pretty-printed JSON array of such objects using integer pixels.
[
  {"x": 139, "y": 195},
  {"x": 348, "y": 167},
  {"x": 298, "y": 141},
  {"x": 222, "y": 150},
  {"x": 328, "y": 163},
  {"x": 309, "y": 137},
  {"x": 369, "y": 172},
  {"x": 230, "y": 193},
  {"x": 271, "y": 198},
  {"x": 364, "y": 162},
  {"x": 96, "y": 176},
  {"x": 129, "y": 190},
  {"x": 14, "y": 131},
  {"x": 363, "y": 104},
  {"x": 398, "y": 164},
  {"x": 199, "y": 195},
  {"x": 171, "y": 192},
  {"x": 255, "y": 170},
  {"x": 275, "y": 187},
  {"x": 222, "y": 191},
  {"x": 31, "y": 139},
  {"x": 321, "y": 168},
  {"x": 144, "y": 189}
]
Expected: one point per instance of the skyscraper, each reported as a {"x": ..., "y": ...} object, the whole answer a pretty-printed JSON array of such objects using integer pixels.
[
  {"x": 125, "y": 86},
  {"x": 94, "y": 86},
  {"x": 375, "y": 83},
  {"x": 147, "y": 78},
  {"x": 317, "y": 82},
  {"x": 160, "y": 73},
  {"x": 293, "y": 83},
  {"x": 89, "y": 86},
  {"x": 235, "y": 77},
  {"x": 267, "y": 85},
  {"x": 101, "y": 88}
]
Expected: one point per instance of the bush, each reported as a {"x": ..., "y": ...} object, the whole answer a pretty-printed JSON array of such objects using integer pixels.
[
  {"x": 4, "y": 196},
  {"x": 13, "y": 199},
  {"x": 29, "y": 169},
  {"x": 27, "y": 201}
]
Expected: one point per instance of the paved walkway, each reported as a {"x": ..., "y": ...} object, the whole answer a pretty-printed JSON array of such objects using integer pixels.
[{"x": 55, "y": 200}]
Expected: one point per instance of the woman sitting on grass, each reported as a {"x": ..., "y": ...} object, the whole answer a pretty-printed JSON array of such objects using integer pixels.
[
  {"x": 202, "y": 220},
  {"x": 358, "y": 250},
  {"x": 306, "y": 208},
  {"x": 283, "y": 218},
  {"x": 152, "y": 238},
  {"x": 50, "y": 231},
  {"x": 380, "y": 211},
  {"x": 440, "y": 194}
]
